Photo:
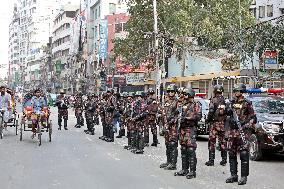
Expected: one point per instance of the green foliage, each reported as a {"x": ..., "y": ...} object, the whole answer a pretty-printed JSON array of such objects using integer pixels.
[{"x": 214, "y": 23}]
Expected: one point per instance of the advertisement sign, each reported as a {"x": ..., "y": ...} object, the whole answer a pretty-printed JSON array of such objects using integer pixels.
[
  {"x": 270, "y": 59},
  {"x": 134, "y": 78},
  {"x": 103, "y": 39}
]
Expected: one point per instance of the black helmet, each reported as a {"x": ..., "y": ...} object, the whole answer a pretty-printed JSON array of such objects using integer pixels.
[
  {"x": 171, "y": 87},
  {"x": 240, "y": 88},
  {"x": 151, "y": 91},
  {"x": 190, "y": 92},
  {"x": 62, "y": 91},
  {"x": 181, "y": 90},
  {"x": 218, "y": 89},
  {"x": 143, "y": 94}
]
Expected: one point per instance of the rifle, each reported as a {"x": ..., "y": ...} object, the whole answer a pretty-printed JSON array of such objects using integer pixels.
[{"x": 237, "y": 121}]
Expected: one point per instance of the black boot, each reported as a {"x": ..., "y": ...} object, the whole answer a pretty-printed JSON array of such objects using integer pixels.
[
  {"x": 128, "y": 141},
  {"x": 168, "y": 154},
  {"x": 59, "y": 127},
  {"x": 233, "y": 168},
  {"x": 244, "y": 155},
  {"x": 140, "y": 144},
  {"x": 224, "y": 158},
  {"x": 155, "y": 140},
  {"x": 211, "y": 158},
  {"x": 65, "y": 124},
  {"x": 146, "y": 139},
  {"x": 174, "y": 155},
  {"x": 184, "y": 162},
  {"x": 192, "y": 163}
]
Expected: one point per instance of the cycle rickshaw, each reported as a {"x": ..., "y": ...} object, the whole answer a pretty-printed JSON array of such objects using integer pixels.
[
  {"x": 42, "y": 121},
  {"x": 10, "y": 115}
]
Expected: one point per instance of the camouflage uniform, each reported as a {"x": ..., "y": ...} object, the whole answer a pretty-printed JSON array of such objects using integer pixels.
[
  {"x": 102, "y": 112},
  {"x": 79, "y": 105},
  {"x": 138, "y": 129},
  {"x": 171, "y": 133},
  {"x": 152, "y": 110},
  {"x": 247, "y": 118},
  {"x": 217, "y": 117},
  {"x": 62, "y": 104},
  {"x": 110, "y": 117},
  {"x": 128, "y": 120},
  {"x": 190, "y": 114},
  {"x": 90, "y": 109}
]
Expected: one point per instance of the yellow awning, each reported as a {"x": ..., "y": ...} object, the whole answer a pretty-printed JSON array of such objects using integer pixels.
[
  {"x": 149, "y": 82},
  {"x": 203, "y": 77}
]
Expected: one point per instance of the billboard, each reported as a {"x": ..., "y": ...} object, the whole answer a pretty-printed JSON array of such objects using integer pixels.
[
  {"x": 270, "y": 59},
  {"x": 134, "y": 78},
  {"x": 103, "y": 39}
]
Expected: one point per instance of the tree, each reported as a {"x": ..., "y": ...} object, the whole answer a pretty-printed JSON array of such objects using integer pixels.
[{"x": 213, "y": 23}]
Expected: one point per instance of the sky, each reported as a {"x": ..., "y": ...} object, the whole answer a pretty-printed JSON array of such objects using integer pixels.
[{"x": 6, "y": 10}]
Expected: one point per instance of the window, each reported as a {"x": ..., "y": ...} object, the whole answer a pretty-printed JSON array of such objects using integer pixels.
[
  {"x": 112, "y": 8},
  {"x": 118, "y": 27},
  {"x": 270, "y": 10},
  {"x": 261, "y": 11},
  {"x": 96, "y": 14},
  {"x": 253, "y": 12},
  {"x": 99, "y": 12},
  {"x": 282, "y": 11},
  {"x": 253, "y": 2}
]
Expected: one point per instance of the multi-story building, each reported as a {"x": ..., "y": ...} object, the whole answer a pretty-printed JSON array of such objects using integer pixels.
[
  {"x": 14, "y": 61},
  {"x": 264, "y": 10},
  {"x": 62, "y": 46}
]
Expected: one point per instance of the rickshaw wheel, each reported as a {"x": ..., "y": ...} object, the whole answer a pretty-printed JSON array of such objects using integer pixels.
[{"x": 50, "y": 131}]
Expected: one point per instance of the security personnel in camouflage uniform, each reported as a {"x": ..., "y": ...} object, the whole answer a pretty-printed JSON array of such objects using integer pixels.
[
  {"x": 216, "y": 118},
  {"x": 170, "y": 114},
  {"x": 138, "y": 116},
  {"x": 111, "y": 112},
  {"x": 122, "y": 120},
  {"x": 190, "y": 114},
  {"x": 96, "y": 113},
  {"x": 102, "y": 112},
  {"x": 62, "y": 104},
  {"x": 244, "y": 110},
  {"x": 128, "y": 112},
  {"x": 90, "y": 109},
  {"x": 79, "y": 105},
  {"x": 152, "y": 110}
]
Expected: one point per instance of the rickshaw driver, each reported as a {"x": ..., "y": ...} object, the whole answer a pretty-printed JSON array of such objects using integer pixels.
[
  {"x": 38, "y": 103},
  {"x": 5, "y": 105}
]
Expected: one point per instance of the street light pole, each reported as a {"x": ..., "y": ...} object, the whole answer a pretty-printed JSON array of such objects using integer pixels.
[{"x": 158, "y": 76}]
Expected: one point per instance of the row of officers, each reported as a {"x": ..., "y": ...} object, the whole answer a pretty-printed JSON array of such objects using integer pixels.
[{"x": 138, "y": 115}]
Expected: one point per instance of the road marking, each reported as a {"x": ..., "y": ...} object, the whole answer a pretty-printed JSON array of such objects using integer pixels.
[{"x": 89, "y": 139}]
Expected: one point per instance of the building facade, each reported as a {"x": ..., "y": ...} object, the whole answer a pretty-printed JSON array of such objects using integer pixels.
[
  {"x": 264, "y": 10},
  {"x": 14, "y": 60}
]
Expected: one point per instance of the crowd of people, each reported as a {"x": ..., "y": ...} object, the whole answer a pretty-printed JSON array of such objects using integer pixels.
[{"x": 136, "y": 116}]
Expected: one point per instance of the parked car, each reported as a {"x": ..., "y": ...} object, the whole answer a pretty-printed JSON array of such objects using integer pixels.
[
  {"x": 203, "y": 128},
  {"x": 268, "y": 136}
]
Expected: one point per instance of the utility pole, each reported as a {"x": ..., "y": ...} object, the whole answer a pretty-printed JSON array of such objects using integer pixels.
[{"x": 158, "y": 77}]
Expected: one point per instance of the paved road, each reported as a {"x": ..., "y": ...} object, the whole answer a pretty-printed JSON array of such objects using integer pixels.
[{"x": 74, "y": 160}]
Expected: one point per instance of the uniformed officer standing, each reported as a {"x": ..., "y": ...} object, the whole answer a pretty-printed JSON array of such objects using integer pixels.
[
  {"x": 138, "y": 116},
  {"x": 122, "y": 120},
  {"x": 216, "y": 118},
  {"x": 62, "y": 104},
  {"x": 190, "y": 114},
  {"x": 111, "y": 112},
  {"x": 238, "y": 137},
  {"x": 128, "y": 119},
  {"x": 170, "y": 115},
  {"x": 90, "y": 109},
  {"x": 152, "y": 110},
  {"x": 102, "y": 112},
  {"x": 79, "y": 105}
]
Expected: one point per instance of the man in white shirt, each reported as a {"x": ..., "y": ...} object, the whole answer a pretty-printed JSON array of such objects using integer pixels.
[{"x": 5, "y": 105}]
